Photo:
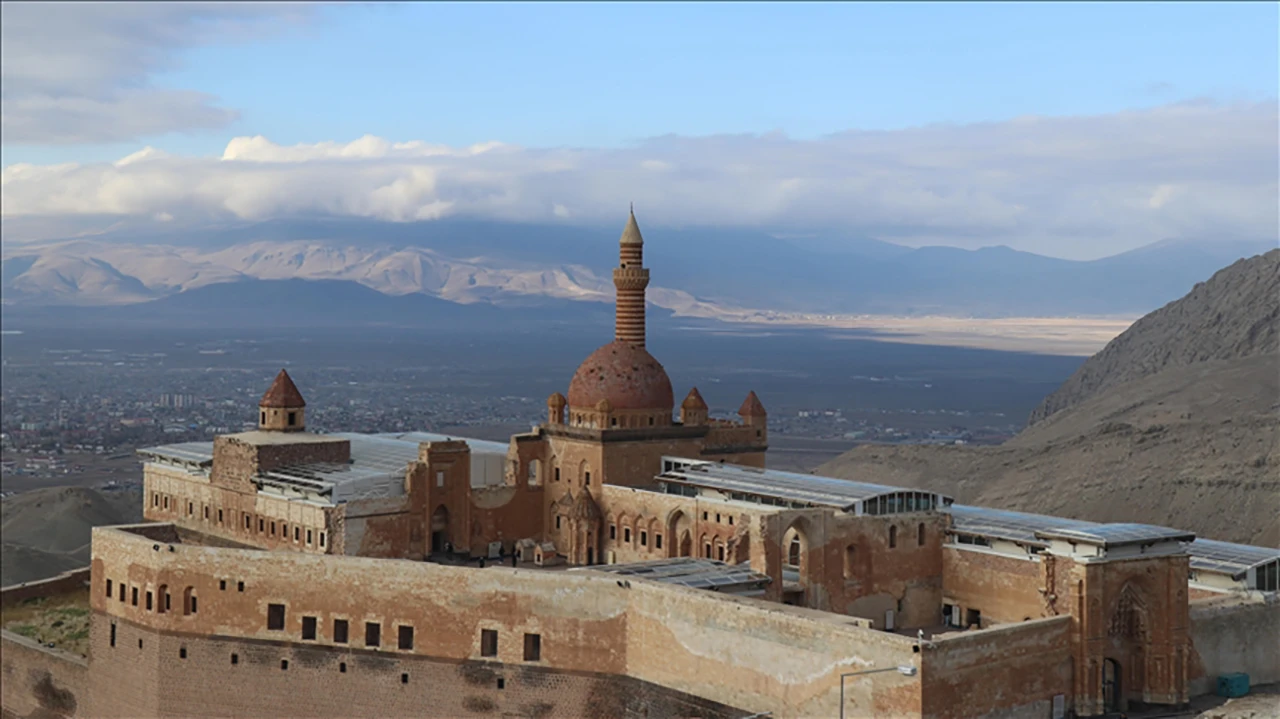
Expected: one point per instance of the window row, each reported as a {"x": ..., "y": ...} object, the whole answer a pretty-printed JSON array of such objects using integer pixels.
[
  {"x": 639, "y": 537},
  {"x": 301, "y": 535},
  {"x": 159, "y": 601},
  {"x": 341, "y": 634}
]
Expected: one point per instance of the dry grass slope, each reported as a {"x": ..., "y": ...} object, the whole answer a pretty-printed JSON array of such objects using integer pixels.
[{"x": 47, "y": 531}]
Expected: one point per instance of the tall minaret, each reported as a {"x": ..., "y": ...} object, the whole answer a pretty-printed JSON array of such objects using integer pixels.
[{"x": 630, "y": 279}]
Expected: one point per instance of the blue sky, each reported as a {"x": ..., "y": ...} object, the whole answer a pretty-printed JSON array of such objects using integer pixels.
[
  {"x": 1071, "y": 129},
  {"x": 604, "y": 75}
]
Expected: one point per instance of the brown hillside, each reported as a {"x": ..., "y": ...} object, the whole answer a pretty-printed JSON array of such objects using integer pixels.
[
  {"x": 1176, "y": 422},
  {"x": 47, "y": 531},
  {"x": 1233, "y": 314}
]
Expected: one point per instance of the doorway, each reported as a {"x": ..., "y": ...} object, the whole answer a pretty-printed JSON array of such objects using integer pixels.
[
  {"x": 439, "y": 529},
  {"x": 1111, "y": 690}
]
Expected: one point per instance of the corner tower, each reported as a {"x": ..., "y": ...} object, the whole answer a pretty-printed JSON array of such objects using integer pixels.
[
  {"x": 630, "y": 279},
  {"x": 282, "y": 408}
]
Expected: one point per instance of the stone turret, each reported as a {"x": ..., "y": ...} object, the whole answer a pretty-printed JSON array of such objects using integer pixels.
[
  {"x": 752, "y": 411},
  {"x": 693, "y": 410},
  {"x": 555, "y": 408},
  {"x": 282, "y": 408}
]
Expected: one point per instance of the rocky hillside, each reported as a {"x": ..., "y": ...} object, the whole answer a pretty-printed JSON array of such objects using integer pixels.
[
  {"x": 47, "y": 531},
  {"x": 1234, "y": 314},
  {"x": 1183, "y": 431}
]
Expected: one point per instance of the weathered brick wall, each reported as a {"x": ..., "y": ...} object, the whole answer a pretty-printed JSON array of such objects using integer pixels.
[
  {"x": 1002, "y": 588},
  {"x": 72, "y": 581},
  {"x": 273, "y": 456},
  {"x": 381, "y": 527},
  {"x": 344, "y": 683},
  {"x": 1234, "y": 635},
  {"x": 743, "y": 653},
  {"x": 708, "y": 521},
  {"x": 40, "y": 682},
  {"x": 1013, "y": 670}
]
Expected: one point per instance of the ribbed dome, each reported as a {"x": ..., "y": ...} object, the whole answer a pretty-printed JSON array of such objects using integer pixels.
[{"x": 625, "y": 375}]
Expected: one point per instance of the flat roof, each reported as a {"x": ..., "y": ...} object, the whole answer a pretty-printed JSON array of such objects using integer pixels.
[
  {"x": 478, "y": 446},
  {"x": 1109, "y": 535},
  {"x": 198, "y": 453},
  {"x": 1206, "y": 554},
  {"x": 1227, "y": 558},
  {"x": 790, "y": 486},
  {"x": 695, "y": 572}
]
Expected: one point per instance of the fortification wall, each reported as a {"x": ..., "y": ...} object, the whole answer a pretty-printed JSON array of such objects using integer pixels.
[
  {"x": 742, "y": 653},
  {"x": 1234, "y": 636},
  {"x": 1010, "y": 671},
  {"x": 71, "y": 581},
  {"x": 36, "y": 681}
]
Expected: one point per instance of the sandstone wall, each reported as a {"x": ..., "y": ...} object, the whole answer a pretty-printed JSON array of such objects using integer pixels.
[
  {"x": 36, "y": 681},
  {"x": 1235, "y": 636},
  {"x": 1002, "y": 588},
  {"x": 72, "y": 581},
  {"x": 1014, "y": 670}
]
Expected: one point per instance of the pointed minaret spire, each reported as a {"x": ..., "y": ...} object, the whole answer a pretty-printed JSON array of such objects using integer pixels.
[{"x": 630, "y": 279}]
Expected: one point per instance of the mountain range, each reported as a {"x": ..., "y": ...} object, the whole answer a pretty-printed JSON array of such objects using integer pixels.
[
  {"x": 1175, "y": 423},
  {"x": 699, "y": 272}
]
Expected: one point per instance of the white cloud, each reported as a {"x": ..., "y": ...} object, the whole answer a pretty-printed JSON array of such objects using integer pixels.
[
  {"x": 1074, "y": 186},
  {"x": 80, "y": 72}
]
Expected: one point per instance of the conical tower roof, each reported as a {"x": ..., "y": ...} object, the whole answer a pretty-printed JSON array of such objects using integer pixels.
[
  {"x": 282, "y": 393},
  {"x": 585, "y": 507},
  {"x": 631, "y": 233},
  {"x": 751, "y": 407},
  {"x": 694, "y": 400}
]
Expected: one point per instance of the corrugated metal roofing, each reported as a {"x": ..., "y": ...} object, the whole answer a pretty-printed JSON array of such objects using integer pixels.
[
  {"x": 790, "y": 486},
  {"x": 695, "y": 572}
]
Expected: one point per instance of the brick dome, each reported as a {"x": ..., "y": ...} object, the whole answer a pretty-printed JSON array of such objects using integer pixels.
[{"x": 624, "y": 375}]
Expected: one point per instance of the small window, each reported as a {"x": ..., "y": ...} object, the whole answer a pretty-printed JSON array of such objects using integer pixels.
[
  {"x": 731, "y": 520},
  {"x": 340, "y": 631},
  {"x": 222, "y": 585},
  {"x": 206, "y": 512},
  {"x": 297, "y": 534},
  {"x": 309, "y": 628},
  {"x": 893, "y": 536},
  {"x": 155, "y": 500},
  {"x": 372, "y": 634},
  {"x": 239, "y": 586},
  {"x": 920, "y": 535},
  {"x": 139, "y": 643},
  {"x": 191, "y": 508},
  {"x": 273, "y": 528},
  {"x": 502, "y": 683},
  {"x": 972, "y": 618},
  {"x": 167, "y": 601},
  {"x": 342, "y": 667},
  {"x": 404, "y": 678},
  {"x": 275, "y": 617},
  {"x": 557, "y": 521},
  {"x": 613, "y": 534},
  {"x": 557, "y": 474},
  {"x": 657, "y": 541},
  {"x": 488, "y": 642},
  {"x": 108, "y": 588},
  {"x": 717, "y": 518},
  {"x": 122, "y": 592},
  {"x": 644, "y": 538},
  {"x": 219, "y": 516},
  {"x": 704, "y": 516},
  {"x": 148, "y": 601},
  {"x": 246, "y": 521},
  {"x": 586, "y": 478},
  {"x": 284, "y": 664},
  {"x": 182, "y": 652},
  {"x": 293, "y": 419},
  {"x": 235, "y": 658},
  {"x": 406, "y": 637},
  {"x": 262, "y": 525},
  {"x": 134, "y": 596},
  {"x": 720, "y": 553},
  {"x": 322, "y": 539},
  {"x": 308, "y": 537},
  {"x": 113, "y": 634},
  {"x": 532, "y": 647},
  {"x": 613, "y": 421},
  {"x": 262, "y": 418},
  {"x": 626, "y": 534},
  {"x": 166, "y": 502},
  {"x": 651, "y": 421},
  {"x": 193, "y": 604},
  {"x": 439, "y": 479}
]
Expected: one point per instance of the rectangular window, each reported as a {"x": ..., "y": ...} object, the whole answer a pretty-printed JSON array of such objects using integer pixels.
[
  {"x": 273, "y": 528},
  {"x": 166, "y": 501},
  {"x": 134, "y": 596},
  {"x": 372, "y": 634},
  {"x": 297, "y": 534},
  {"x": 222, "y": 585},
  {"x": 586, "y": 478},
  {"x": 108, "y": 589},
  {"x": 340, "y": 631},
  {"x": 235, "y": 658},
  {"x": 557, "y": 521},
  {"x": 206, "y": 512},
  {"x": 488, "y": 642},
  {"x": 308, "y": 537},
  {"x": 262, "y": 525},
  {"x": 122, "y": 592},
  {"x": 644, "y": 538},
  {"x": 626, "y": 534},
  {"x": 532, "y": 647},
  {"x": 148, "y": 601},
  {"x": 275, "y": 617},
  {"x": 557, "y": 474},
  {"x": 406, "y": 637},
  {"x": 191, "y": 508},
  {"x": 239, "y": 586},
  {"x": 113, "y": 634},
  {"x": 439, "y": 479},
  {"x": 219, "y": 516},
  {"x": 308, "y": 627},
  {"x": 293, "y": 419},
  {"x": 322, "y": 539},
  {"x": 613, "y": 531},
  {"x": 657, "y": 541}
]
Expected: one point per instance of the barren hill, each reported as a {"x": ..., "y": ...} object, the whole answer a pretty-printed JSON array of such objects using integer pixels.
[
  {"x": 1234, "y": 314},
  {"x": 1186, "y": 433},
  {"x": 47, "y": 531}
]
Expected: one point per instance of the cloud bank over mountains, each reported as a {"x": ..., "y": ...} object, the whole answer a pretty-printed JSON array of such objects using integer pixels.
[{"x": 1073, "y": 186}]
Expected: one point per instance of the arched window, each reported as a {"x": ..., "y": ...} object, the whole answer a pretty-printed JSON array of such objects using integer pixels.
[
  {"x": 189, "y": 600},
  {"x": 162, "y": 599},
  {"x": 793, "y": 552},
  {"x": 893, "y": 536},
  {"x": 920, "y": 535}
]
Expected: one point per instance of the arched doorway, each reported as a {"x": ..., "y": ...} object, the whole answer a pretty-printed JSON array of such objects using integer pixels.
[
  {"x": 1111, "y": 690},
  {"x": 679, "y": 535},
  {"x": 686, "y": 544},
  {"x": 439, "y": 529}
]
